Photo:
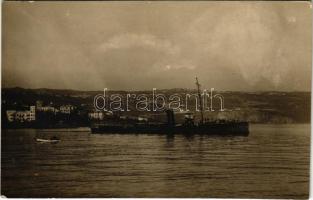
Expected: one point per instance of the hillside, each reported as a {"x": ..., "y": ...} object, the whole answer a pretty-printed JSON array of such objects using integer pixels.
[{"x": 256, "y": 107}]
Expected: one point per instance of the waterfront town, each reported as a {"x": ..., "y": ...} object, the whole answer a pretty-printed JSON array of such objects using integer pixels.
[
  {"x": 30, "y": 115},
  {"x": 25, "y": 109},
  {"x": 48, "y": 115},
  {"x": 43, "y": 115},
  {"x": 48, "y": 108}
]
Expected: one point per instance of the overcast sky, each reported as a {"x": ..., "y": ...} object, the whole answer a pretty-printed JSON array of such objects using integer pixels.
[{"x": 143, "y": 45}]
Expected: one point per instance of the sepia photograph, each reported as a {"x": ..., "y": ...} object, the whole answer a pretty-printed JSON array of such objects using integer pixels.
[{"x": 156, "y": 99}]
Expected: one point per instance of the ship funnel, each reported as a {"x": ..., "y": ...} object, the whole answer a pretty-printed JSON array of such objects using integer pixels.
[{"x": 170, "y": 117}]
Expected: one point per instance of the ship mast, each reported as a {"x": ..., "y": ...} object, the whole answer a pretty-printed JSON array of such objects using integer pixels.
[{"x": 200, "y": 99}]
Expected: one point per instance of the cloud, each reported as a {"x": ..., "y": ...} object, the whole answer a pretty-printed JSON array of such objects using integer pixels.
[
  {"x": 126, "y": 41},
  {"x": 168, "y": 65},
  {"x": 232, "y": 46},
  {"x": 259, "y": 40},
  {"x": 169, "y": 55}
]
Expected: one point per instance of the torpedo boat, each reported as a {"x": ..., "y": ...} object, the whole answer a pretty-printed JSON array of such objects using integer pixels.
[{"x": 189, "y": 126}]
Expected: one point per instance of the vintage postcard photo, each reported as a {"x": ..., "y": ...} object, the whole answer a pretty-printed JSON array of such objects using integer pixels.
[{"x": 186, "y": 99}]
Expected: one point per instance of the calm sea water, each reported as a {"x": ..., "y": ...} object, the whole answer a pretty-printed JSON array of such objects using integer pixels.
[{"x": 272, "y": 162}]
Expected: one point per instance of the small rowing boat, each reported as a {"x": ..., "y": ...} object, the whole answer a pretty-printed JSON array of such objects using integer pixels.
[{"x": 54, "y": 140}]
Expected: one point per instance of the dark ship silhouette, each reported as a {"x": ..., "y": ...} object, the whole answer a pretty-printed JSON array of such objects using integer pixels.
[{"x": 215, "y": 127}]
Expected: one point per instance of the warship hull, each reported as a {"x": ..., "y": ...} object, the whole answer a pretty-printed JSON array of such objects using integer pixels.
[{"x": 232, "y": 128}]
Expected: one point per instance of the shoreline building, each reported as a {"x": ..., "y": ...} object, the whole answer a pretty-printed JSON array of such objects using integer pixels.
[
  {"x": 67, "y": 109},
  {"x": 96, "y": 115},
  {"x": 22, "y": 116},
  {"x": 40, "y": 107}
]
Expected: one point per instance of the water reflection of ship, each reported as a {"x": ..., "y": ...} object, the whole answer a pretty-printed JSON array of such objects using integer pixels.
[{"x": 189, "y": 126}]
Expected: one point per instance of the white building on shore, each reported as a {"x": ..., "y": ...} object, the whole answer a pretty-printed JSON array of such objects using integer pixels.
[
  {"x": 22, "y": 116},
  {"x": 66, "y": 109},
  {"x": 98, "y": 115}
]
